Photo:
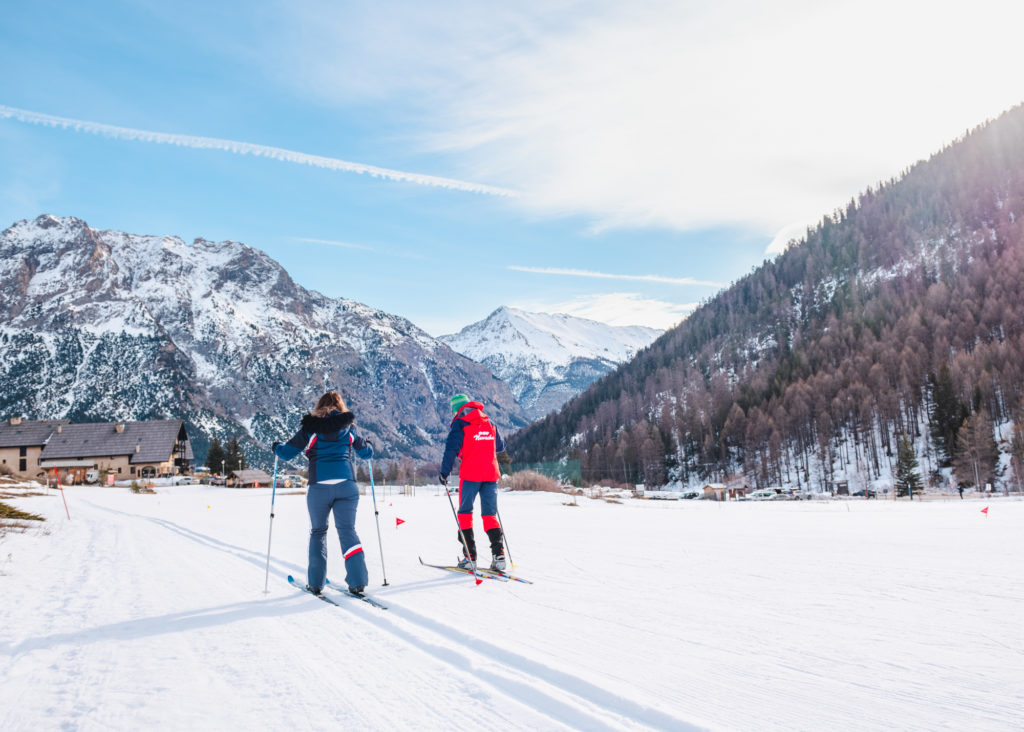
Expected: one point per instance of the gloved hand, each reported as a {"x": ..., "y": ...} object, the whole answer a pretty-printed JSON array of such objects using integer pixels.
[
  {"x": 442, "y": 479},
  {"x": 274, "y": 446}
]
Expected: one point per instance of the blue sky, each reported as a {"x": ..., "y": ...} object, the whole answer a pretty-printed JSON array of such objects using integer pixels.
[{"x": 620, "y": 161}]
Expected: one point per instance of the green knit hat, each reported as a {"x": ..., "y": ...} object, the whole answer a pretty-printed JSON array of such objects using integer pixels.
[{"x": 457, "y": 402}]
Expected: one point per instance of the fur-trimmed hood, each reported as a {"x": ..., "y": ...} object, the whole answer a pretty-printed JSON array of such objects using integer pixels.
[{"x": 334, "y": 422}]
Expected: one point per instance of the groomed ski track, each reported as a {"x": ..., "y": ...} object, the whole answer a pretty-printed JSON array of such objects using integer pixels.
[
  {"x": 149, "y": 612},
  {"x": 147, "y": 622}
]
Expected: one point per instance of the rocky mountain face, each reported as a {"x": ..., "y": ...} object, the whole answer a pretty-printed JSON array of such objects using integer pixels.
[
  {"x": 547, "y": 359},
  {"x": 104, "y": 325}
]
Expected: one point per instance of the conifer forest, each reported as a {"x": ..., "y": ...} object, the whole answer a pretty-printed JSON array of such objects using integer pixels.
[{"x": 897, "y": 318}]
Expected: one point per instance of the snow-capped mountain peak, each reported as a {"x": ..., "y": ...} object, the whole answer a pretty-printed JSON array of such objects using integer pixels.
[{"x": 547, "y": 358}]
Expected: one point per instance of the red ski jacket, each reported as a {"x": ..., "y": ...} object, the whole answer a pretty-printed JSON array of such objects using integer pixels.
[{"x": 473, "y": 438}]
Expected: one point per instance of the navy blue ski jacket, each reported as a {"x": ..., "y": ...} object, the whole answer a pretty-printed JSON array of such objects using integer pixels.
[{"x": 328, "y": 443}]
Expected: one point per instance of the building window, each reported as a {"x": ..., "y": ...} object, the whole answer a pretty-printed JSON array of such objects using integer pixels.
[
  {"x": 22, "y": 451},
  {"x": 133, "y": 470},
  {"x": 119, "y": 470},
  {"x": 22, "y": 465}
]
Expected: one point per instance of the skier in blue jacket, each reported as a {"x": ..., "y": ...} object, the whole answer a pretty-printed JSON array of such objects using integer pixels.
[{"x": 328, "y": 437}]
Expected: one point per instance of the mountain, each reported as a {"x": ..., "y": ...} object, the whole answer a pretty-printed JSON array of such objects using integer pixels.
[
  {"x": 547, "y": 359},
  {"x": 104, "y": 325},
  {"x": 899, "y": 316}
]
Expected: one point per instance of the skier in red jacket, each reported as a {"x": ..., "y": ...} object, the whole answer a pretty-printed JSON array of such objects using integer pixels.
[{"x": 473, "y": 438}]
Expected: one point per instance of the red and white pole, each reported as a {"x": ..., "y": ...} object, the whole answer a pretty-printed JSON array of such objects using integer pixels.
[{"x": 57, "y": 477}]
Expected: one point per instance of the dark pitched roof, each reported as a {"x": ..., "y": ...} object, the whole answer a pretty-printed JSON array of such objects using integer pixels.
[
  {"x": 154, "y": 440},
  {"x": 251, "y": 476},
  {"x": 27, "y": 434}
]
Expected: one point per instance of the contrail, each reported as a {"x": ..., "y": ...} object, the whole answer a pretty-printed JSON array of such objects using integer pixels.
[
  {"x": 610, "y": 276},
  {"x": 248, "y": 148}
]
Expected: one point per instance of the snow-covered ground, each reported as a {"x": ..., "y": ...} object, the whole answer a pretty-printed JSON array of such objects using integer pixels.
[{"x": 148, "y": 611}]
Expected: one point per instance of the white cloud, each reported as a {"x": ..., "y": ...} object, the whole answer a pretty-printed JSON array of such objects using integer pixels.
[
  {"x": 246, "y": 148},
  {"x": 679, "y": 115},
  {"x": 614, "y": 276},
  {"x": 786, "y": 234},
  {"x": 618, "y": 308}
]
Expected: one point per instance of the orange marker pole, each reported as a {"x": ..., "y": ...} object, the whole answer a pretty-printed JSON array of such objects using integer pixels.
[{"x": 57, "y": 477}]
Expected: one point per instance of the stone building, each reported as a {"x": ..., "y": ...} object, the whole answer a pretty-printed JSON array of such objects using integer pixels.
[{"x": 90, "y": 451}]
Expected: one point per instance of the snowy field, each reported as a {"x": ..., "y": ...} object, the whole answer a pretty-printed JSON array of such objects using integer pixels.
[{"x": 148, "y": 612}]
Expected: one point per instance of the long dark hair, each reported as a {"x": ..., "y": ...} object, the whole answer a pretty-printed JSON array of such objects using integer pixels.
[{"x": 328, "y": 403}]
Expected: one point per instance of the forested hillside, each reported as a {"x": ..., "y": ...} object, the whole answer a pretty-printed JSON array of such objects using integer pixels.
[{"x": 902, "y": 315}]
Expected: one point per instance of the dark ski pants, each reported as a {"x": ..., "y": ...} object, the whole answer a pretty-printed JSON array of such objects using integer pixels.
[
  {"x": 342, "y": 498},
  {"x": 488, "y": 492}
]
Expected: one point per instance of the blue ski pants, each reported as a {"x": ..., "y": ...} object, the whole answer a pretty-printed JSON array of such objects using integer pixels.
[
  {"x": 341, "y": 497},
  {"x": 488, "y": 492}
]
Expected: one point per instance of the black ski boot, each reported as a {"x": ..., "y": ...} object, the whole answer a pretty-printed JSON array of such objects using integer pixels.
[
  {"x": 468, "y": 560},
  {"x": 497, "y": 549}
]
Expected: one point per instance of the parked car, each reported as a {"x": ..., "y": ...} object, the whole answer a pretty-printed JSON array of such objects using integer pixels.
[
  {"x": 866, "y": 493},
  {"x": 184, "y": 480},
  {"x": 692, "y": 494},
  {"x": 764, "y": 494}
]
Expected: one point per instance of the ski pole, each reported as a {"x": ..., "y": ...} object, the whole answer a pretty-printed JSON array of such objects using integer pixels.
[
  {"x": 273, "y": 495},
  {"x": 462, "y": 534},
  {"x": 376, "y": 516},
  {"x": 504, "y": 536}
]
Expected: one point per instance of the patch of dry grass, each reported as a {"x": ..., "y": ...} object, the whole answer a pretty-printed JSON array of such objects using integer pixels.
[
  {"x": 10, "y": 512},
  {"x": 528, "y": 480}
]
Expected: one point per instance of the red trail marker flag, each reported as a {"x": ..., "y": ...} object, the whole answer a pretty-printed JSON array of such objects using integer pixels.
[
  {"x": 985, "y": 510},
  {"x": 398, "y": 522}
]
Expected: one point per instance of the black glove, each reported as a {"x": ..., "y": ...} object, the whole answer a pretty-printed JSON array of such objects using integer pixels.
[{"x": 442, "y": 479}]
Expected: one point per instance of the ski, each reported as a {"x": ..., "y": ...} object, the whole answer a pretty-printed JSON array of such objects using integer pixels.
[
  {"x": 354, "y": 596},
  {"x": 478, "y": 573},
  {"x": 506, "y": 575},
  {"x": 294, "y": 583}
]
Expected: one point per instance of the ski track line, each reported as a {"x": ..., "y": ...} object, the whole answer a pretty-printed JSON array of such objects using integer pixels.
[
  {"x": 250, "y": 556},
  {"x": 97, "y": 667},
  {"x": 436, "y": 707},
  {"x": 558, "y": 711},
  {"x": 460, "y": 657},
  {"x": 553, "y": 707},
  {"x": 80, "y": 672}
]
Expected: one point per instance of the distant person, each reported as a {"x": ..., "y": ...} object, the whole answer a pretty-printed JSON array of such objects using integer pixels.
[
  {"x": 960, "y": 487},
  {"x": 473, "y": 438},
  {"x": 328, "y": 437}
]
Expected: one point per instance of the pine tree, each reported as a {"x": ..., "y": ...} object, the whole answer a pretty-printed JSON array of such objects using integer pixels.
[
  {"x": 977, "y": 459},
  {"x": 215, "y": 456},
  {"x": 1017, "y": 456},
  {"x": 234, "y": 457},
  {"x": 948, "y": 413},
  {"x": 908, "y": 480}
]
